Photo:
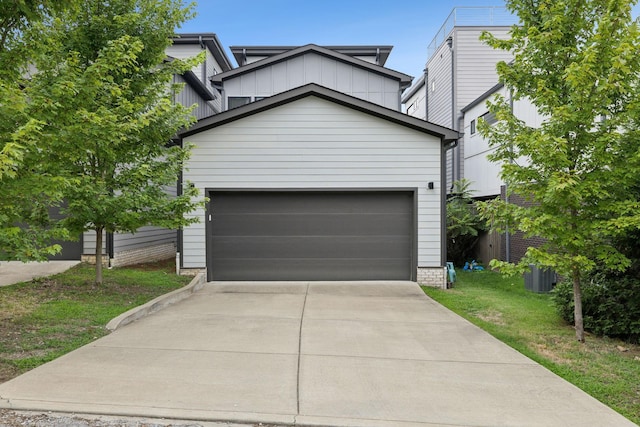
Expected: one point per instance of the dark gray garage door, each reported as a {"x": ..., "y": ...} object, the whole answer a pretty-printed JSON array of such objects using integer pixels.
[{"x": 311, "y": 235}]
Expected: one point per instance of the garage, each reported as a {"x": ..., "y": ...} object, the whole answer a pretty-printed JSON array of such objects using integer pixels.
[{"x": 311, "y": 235}]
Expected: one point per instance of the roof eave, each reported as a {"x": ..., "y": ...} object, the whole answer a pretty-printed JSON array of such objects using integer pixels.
[
  {"x": 404, "y": 79},
  {"x": 445, "y": 134}
]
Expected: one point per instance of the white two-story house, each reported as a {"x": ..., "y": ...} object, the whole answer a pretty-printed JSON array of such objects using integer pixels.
[{"x": 312, "y": 172}]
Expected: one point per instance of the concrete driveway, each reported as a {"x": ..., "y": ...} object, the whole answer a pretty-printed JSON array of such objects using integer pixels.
[{"x": 321, "y": 354}]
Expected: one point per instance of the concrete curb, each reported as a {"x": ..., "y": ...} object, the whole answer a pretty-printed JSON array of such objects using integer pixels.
[{"x": 158, "y": 303}]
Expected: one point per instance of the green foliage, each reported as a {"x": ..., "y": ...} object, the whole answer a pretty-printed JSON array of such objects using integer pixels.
[
  {"x": 103, "y": 98},
  {"x": 577, "y": 62},
  {"x": 529, "y": 323},
  {"x": 611, "y": 305},
  {"x": 48, "y": 317},
  {"x": 463, "y": 223},
  {"x": 28, "y": 184}
]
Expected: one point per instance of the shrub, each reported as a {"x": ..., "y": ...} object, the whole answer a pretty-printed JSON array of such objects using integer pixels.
[
  {"x": 463, "y": 223},
  {"x": 610, "y": 303}
]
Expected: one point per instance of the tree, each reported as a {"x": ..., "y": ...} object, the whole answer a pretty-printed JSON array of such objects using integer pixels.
[
  {"x": 463, "y": 222},
  {"x": 577, "y": 61},
  {"x": 103, "y": 95},
  {"x": 27, "y": 187}
]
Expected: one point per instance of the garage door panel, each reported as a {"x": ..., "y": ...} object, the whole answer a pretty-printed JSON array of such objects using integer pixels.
[
  {"x": 311, "y": 235},
  {"x": 311, "y": 224},
  {"x": 309, "y": 246},
  {"x": 299, "y": 268},
  {"x": 307, "y": 202}
]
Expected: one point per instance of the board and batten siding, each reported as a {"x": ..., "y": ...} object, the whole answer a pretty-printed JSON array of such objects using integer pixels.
[
  {"x": 188, "y": 97},
  {"x": 313, "y": 143},
  {"x": 314, "y": 68}
]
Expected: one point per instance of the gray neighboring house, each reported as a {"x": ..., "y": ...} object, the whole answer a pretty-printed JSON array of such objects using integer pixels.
[
  {"x": 155, "y": 243},
  {"x": 459, "y": 69},
  {"x": 313, "y": 172}
]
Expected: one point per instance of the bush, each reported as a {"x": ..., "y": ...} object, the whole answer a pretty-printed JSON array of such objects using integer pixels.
[
  {"x": 610, "y": 304},
  {"x": 463, "y": 223}
]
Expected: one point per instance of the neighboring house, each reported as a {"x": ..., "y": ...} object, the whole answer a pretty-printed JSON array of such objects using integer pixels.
[
  {"x": 353, "y": 70},
  {"x": 154, "y": 243},
  {"x": 459, "y": 78},
  {"x": 485, "y": 175},
  {"x": 314, "y": 173},
  {"x": 459, "y": 69}
]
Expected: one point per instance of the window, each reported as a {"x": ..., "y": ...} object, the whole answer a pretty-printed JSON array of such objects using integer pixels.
[
  {"x": 489, "y": 118},
  {"x": 433, "y": 85},
  {"x": 473, "y": 126},
  {"x": 237, "y": 101}
]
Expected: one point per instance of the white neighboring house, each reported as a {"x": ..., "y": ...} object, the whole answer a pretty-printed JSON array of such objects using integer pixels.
[
  {"x": 484, "y": 174},
  {"x": 155, "y": 243},
  {"x": 314, "y": 173}
]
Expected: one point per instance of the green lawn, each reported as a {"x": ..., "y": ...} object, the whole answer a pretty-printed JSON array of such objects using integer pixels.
[
  {"x": 607, "y": 369},
  {"x": 46, "y": 318}
]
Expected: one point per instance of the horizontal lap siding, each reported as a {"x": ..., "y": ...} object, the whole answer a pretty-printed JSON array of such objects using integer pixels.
[{"x": 313, "y": 143}]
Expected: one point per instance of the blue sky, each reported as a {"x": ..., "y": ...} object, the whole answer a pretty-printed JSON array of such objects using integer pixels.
[{"x": 408, "y": 25}]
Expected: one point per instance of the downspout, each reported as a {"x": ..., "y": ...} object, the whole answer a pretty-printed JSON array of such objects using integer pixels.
[
  {"x": 443, "y": 200},
  {"x": 110, "y": 251},
  {"x": 179, "y": 230},
  {"x": 426, "y": 94},
  {"x": 455, "y": 160}
]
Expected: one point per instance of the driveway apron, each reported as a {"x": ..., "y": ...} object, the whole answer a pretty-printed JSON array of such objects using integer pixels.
[{"x": 321, "y": 354}]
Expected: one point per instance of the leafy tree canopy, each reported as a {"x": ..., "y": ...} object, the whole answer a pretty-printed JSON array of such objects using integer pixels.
[
  {"x": 577, "y": 61},
  {"x": 103, "y": 101}
]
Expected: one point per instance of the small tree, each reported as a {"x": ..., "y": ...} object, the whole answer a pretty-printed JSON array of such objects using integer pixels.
[
  {"x": 577, "y": 61},
  {"x": 28, "y": 186},
  {"x": 463, "y": 222},
  {"x": 104, "y": 95}
]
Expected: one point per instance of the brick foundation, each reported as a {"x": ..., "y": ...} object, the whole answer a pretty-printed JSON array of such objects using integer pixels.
[
  {"x": 432, "y": 276},
  {"x": 136, "y": 256}
]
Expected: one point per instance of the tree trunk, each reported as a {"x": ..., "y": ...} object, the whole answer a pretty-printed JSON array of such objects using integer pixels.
[
  {"x": 577, "y": 302},
  {"x": 99, "y": 257}
]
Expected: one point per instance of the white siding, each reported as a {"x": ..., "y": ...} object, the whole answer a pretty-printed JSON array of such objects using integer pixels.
[
  {"x": 476, "y": 63},
  {"x": 416, "y": 104},
  {"x": 474, "y": 73},
  {"x": 439, "y": 87},
  {"x": 314, "y": 68},
  {"x": 313, "y": 143},
  {"x": 484, "y": 174}
]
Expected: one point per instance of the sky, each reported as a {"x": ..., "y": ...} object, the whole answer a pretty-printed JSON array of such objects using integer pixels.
[{"x": 407, "y": 25}]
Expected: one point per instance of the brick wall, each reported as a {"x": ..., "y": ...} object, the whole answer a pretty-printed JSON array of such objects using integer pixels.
[
  {"x": 432, "y": 276},
  {"x": 136, "y": 256},
  {"x": 518, "y": 243}
]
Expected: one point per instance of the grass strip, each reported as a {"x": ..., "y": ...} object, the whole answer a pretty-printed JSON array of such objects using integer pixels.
[
  {"x": 45, "y": 318},
  {"x": 607, "y": 369}
]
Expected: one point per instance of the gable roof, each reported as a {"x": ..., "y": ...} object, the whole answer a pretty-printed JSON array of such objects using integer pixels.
[
  {"x": 445, "y": 134},
  {"x": 405, "y": 80},
  {"x": 210, "y": 40},
  {"x": 381, "y": 53}
]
